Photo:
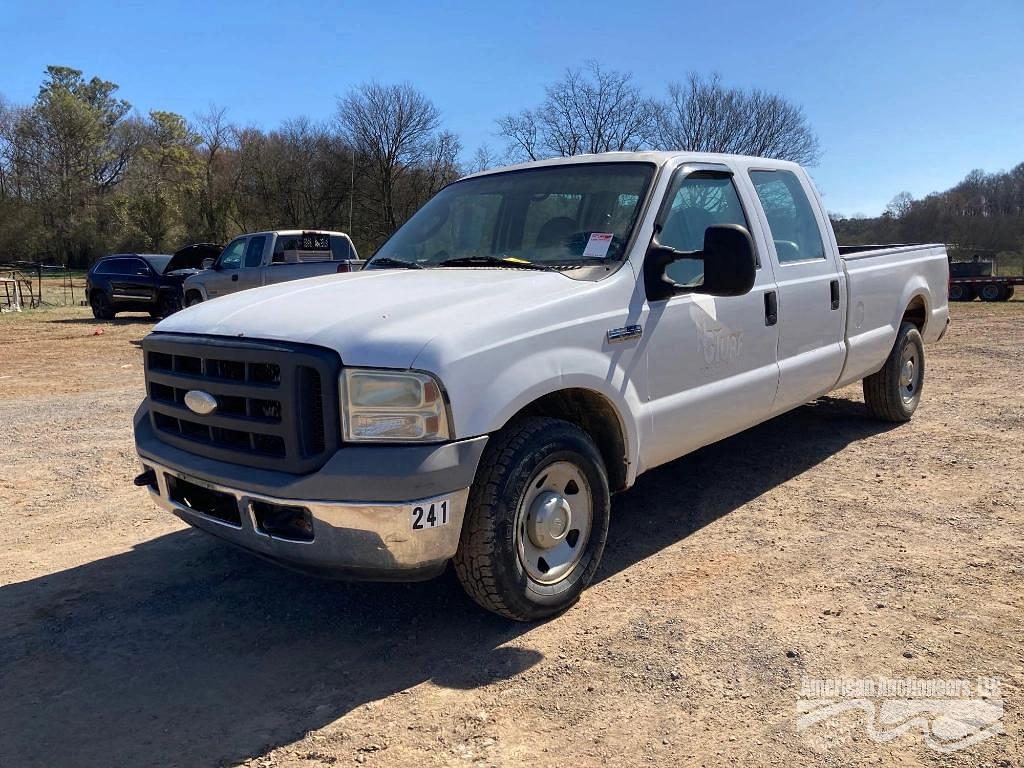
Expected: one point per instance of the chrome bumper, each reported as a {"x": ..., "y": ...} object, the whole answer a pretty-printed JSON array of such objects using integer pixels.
[{"x": 350, "y": 539}]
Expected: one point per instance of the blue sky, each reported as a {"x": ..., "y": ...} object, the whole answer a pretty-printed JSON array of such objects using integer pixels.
[{"x": 903, "y": 95}]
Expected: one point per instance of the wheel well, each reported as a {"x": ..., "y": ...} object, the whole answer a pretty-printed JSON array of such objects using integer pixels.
[
  {"x": 916, "y": 313},
  {"x": 596, "y": 416}
]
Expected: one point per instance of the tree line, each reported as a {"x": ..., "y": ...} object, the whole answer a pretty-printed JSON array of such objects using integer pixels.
[
  {"x": 82, "y": 174},
  {"x": 983, "y": 214}
]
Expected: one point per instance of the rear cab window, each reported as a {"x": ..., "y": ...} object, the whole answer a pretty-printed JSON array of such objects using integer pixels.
[
  {"x": 794, "y": 227},
  {"x": 307, "y": 247}
]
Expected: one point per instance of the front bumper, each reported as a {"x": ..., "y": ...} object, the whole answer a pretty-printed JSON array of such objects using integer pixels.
[
  {"x": 356, "y": 540},
  {"x": 360, "y": 504}
]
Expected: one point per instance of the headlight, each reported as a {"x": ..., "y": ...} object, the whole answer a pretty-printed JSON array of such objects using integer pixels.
[{"x": 379, "y": 406}]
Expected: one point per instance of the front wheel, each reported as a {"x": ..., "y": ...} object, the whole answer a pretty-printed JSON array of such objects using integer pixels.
[
  {"x": 192, "y": 298},
  {"x": 168, "y": 304},
  {"x": 893, "y": 393},
  {"x": 536, "y": 522}
]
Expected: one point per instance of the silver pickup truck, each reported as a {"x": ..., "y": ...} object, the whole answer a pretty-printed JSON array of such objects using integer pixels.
[{"x": 265, "y": 258}]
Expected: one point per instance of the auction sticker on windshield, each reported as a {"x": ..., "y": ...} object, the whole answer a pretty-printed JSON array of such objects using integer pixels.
[{"x": 598, "y": 244}]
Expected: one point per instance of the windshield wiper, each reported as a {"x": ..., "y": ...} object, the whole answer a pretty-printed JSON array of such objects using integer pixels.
[
  {"x": 493, "y": 261},
  {"x": 387, "y": 261}
]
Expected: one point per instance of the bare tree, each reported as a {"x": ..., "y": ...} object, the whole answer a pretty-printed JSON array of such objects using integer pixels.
[
  {"x": 900, "y": 205},
  {"x": 395, "y": 129},
  {"x": 587, "y": 111},
  {"x": 703, "y": 115}
]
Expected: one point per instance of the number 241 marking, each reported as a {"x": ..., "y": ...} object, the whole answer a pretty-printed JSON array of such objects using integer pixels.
[{"x": 430, "y": 516}]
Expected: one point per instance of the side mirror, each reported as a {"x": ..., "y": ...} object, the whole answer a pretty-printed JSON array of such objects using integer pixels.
[{"x": 728, "y": 260}]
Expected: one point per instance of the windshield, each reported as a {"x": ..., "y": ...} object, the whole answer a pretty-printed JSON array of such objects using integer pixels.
[{"x": 549, "y": 216}]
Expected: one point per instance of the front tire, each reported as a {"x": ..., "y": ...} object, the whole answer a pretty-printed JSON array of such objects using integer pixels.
[
  {"x": 192, "y": 298},
  {"x": 167, "y": 305},
  {"x": 893, "y": 393},
  {"x": 536, "y": 521}
]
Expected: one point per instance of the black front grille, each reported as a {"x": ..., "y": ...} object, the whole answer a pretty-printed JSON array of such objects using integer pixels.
[{"x": 276, "y": 402}]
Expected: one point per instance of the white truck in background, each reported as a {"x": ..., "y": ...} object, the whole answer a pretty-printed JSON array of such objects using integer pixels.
[
  {"x": 529, "y": 343},
  {"x": 265, "y": 258}
]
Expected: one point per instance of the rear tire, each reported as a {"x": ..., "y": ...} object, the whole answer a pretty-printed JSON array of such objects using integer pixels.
[
  {"x": 961, "y": 292},
  {"x": 991, "y": 292},
  {"x": 893, "y": 393},
  {"x": 536, "y": 522},
  {"x": 101, "y": 306}
]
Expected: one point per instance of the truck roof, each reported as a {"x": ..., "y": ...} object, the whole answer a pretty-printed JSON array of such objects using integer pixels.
[
  {"x": 658, "y": 158},
  {"x": 295, "y": 232}
]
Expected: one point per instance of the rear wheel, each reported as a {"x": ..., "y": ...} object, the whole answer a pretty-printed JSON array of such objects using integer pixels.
[
  {"x": 960, "y": 292},
  {"x": 991, "y": 292},
  {"x": 101, "y": 306},
  {"x": 893, "y": 393},
  {"x": 536, "y": 522},
  {"x": 1008, "y": 293}
]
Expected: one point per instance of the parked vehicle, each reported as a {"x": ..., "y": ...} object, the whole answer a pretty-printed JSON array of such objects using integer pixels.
[
  {"x": 528, "y": 343},
  {"x": 143, "y": 282},
  {"x": 264, "y": 258},
  {"x": 975, "y": 279}
]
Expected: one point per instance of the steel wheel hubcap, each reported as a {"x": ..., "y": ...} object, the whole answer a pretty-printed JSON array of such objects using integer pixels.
[
  {"x": 553, "y": 522},
  {"x": 909, "y": 371}
]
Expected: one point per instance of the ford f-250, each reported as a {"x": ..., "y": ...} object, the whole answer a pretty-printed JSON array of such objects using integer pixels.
[{"x": 528, "y": 343}]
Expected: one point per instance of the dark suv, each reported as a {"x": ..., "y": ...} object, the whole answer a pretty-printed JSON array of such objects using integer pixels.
[{"x": 143, "y": 282}]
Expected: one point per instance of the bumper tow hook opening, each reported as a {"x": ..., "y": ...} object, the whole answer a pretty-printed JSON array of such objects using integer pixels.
[{"x": 283, "y": 522}]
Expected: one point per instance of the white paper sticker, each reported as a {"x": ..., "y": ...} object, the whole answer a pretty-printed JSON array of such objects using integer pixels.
[{"x": 598, "y": 244}]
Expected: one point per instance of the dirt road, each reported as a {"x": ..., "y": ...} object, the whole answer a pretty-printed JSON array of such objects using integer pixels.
[{"x": 819, "y": 545}]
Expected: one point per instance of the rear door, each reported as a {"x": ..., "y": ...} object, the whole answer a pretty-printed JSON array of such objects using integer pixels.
[
  {"x": 811, "y": 287},
  {"x": 711, "y": 361}
]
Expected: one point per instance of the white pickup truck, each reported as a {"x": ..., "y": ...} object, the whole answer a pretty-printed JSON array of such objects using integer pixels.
[{"x": 526, "y": 345}]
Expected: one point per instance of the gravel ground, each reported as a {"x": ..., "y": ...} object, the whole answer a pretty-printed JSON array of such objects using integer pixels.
[{"x": 819, "y": 545}]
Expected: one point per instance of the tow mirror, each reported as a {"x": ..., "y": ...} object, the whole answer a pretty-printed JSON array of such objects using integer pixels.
[
  {"x": 207, "y": 264},
  {"x": 727, "y": 258}
]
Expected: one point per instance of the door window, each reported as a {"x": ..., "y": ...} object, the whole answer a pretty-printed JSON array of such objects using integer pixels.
[
  {"x": 701, "y": 201},
  {"x": 254, "y": 251},
  {"x": 231, "y": 257},
  {"x": 791, "y": 218}
]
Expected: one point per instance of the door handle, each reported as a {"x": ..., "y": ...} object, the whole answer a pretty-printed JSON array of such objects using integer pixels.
[
  {"x": 234, "y": 278},
  {"x": 771, "y": 308},
  {"x": 834, "y": 287}
]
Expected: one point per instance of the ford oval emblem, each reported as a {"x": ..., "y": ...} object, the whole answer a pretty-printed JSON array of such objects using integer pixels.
[{"x": 200, "y": 402}]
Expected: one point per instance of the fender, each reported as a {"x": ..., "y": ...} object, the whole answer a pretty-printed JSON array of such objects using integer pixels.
[{"x": 485, "y": 410}]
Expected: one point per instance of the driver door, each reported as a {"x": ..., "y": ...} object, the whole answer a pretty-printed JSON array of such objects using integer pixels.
[
  {"x": 711, "y": 360},
  {"x": 226, "y": 269}
]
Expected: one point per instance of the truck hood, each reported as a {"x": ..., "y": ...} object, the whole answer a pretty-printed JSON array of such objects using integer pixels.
[{"x": 380, "y": 318}]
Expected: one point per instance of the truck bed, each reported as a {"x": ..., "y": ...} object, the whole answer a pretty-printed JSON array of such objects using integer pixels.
[{"x": 881, "y": 282}]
